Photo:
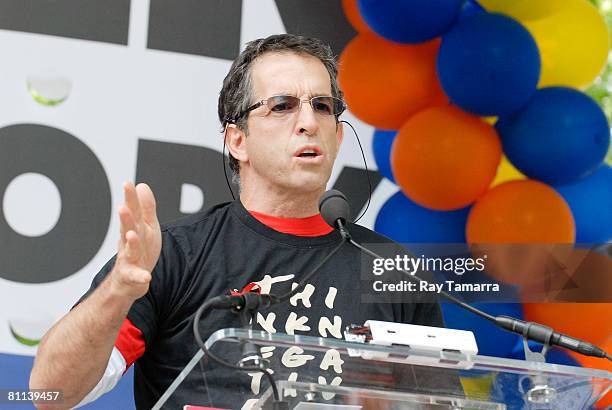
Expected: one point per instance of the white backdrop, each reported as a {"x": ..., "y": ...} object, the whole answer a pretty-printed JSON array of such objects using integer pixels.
[{"x": 118, "y": 95}]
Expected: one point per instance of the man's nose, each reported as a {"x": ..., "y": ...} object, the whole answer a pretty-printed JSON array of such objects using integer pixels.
[{"x": 307, "y": 121}]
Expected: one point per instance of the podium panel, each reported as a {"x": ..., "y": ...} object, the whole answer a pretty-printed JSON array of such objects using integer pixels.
[{"x": 327, "y": 373}]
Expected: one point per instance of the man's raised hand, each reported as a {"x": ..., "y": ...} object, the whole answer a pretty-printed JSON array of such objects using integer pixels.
[{"x": 140, "y": 243}]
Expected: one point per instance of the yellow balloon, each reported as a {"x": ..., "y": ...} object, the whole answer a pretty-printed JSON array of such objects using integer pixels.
[
  {"x": 524, "y": 9},
  {"x": 490, "y": 120},
  {"x": 506, "y": 172},
  {"x": 573, "y": 45}
]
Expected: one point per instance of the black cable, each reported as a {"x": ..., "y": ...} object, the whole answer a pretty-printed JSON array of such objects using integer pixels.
[
  {"x": 235, "y": 302},
  {"x": 229, "y": 186},
  {"x": 229, "y": 302},
  {"x": 367, "y": 171},
  {"x": 196, "y": 331},
  {"x": 529, "y": 330}
]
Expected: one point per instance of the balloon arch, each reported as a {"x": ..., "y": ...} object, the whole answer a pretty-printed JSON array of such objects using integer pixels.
[{"x": 482, "y": 122}]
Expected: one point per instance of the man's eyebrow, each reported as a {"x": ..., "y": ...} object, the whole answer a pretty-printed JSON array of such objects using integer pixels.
[{"x": 323, "y": 94}]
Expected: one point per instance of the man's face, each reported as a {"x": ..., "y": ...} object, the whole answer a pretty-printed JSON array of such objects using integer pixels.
[{"x": 279, "y": 149}]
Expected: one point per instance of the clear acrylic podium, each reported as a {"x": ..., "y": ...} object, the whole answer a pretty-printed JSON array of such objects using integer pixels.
[{"x": 330, "y": 373}]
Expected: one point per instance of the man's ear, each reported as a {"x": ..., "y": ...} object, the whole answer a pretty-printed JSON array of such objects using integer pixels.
[
  {"x": 235, "y": 139},
  {"x": 339, "y": 135}
]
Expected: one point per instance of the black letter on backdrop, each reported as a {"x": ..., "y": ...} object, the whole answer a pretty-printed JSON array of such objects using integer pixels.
[
  {"x": 94, "y": 20},
  {"x": 323, "y": 19},
  {"x": 86, "y": 203},
  {"x": 212, "y": 27},
  {"x": 201, "y": 27},
  {"x": 353, "y": 182},
  {"x": 167, "y": 166}
]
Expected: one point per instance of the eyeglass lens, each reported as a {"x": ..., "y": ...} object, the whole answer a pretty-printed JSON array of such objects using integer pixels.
[{"x": 283, "y": 104}]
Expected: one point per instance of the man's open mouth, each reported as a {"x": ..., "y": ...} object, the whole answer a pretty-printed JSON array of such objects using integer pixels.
[{"x": 309, "y": 152}]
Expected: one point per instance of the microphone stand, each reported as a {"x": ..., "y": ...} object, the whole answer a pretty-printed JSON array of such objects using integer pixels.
[{"x": 245, "y": 305}]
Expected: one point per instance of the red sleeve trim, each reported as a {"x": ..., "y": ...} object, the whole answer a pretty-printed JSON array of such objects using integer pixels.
[{"x": 130, "y": 342}]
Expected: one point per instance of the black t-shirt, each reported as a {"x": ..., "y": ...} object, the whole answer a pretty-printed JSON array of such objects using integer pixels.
[{"x": 206, "y": 254}]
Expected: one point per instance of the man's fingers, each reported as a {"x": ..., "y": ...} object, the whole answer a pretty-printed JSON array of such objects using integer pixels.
[
  {"x": 134, "y": 276},
  {"x": 126, "y": 222},
  {"x": 131, "y": 200},
  {"x": 132, "y": 246},
  {"x": 147, "y": 203},
  {"x": 139, "y": 276}
]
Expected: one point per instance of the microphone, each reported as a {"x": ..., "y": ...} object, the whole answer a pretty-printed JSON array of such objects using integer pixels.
[
  {"x": 547, "y": 336},
  {"x": 335, "y": 210}
]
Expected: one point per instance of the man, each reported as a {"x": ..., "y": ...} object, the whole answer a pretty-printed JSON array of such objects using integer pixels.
[{"x": 279, "y": 106}]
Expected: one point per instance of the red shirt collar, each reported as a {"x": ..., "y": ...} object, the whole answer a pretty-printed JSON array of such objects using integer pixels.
[{"x": 310, "y": 226}]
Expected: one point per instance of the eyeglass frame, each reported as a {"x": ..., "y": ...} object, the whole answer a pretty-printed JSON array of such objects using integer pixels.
[{"x": 264, "y": 102}]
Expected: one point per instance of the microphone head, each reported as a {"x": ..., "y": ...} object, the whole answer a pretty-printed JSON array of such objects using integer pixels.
[{"x": 333, "y": 206}]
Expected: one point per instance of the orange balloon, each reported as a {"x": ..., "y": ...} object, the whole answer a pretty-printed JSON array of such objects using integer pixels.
[
  {"x": 598, "y": 363},
  {"x": 521, "y": 212},
  {"x": 384, "y": 83},
  {"x": 588, "y": 321},
  {"x": 351, "y": 11},
  {"x": 519, "y": 225},
  {"x": 444, "y": 158}
]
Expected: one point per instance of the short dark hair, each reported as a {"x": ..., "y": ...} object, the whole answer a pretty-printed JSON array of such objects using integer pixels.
[{"x": 236, "y": 94}]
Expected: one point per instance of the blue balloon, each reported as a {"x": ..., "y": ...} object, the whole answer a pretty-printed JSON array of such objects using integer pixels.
[
  {"x": 491, "y": 340},
  {"x": 406, "y": 222},
  {"x": 410, "y": 21},
  {"x": 559, "y": 137},
  {"x": 470, "y": 7},
  {"x": 489, "y": 64},
  {"x": 381, "y": 144},
  {"x": 560, "y": 356},
  {"x": 590, "y": 200}
]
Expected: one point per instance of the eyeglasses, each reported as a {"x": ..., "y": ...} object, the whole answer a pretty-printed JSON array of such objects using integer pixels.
[{"x": 280, "y": 105}]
